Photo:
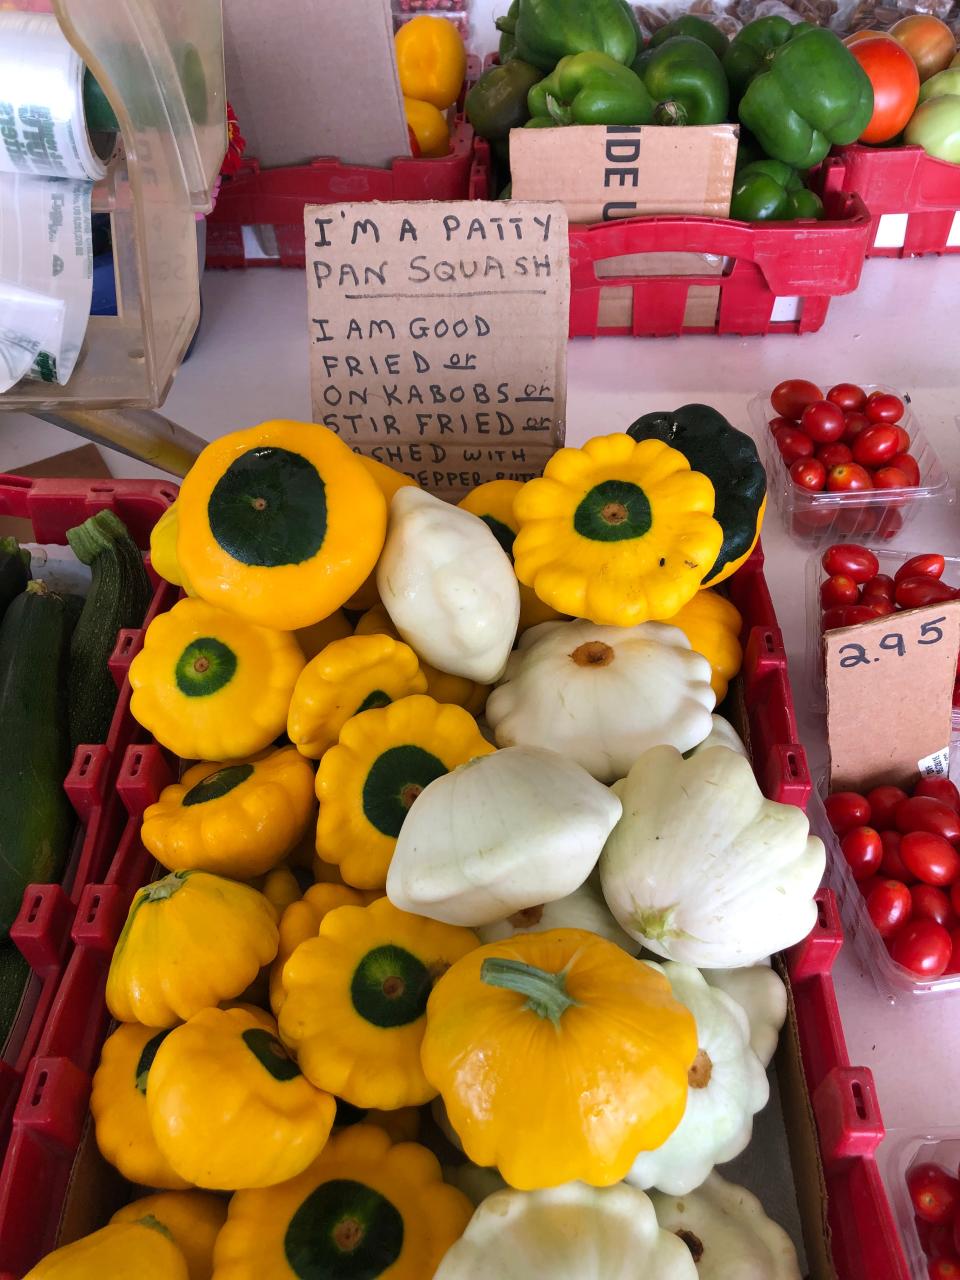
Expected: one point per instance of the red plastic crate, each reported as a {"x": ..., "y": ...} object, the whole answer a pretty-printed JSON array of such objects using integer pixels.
[
  {"x": 901, "y": 181},
  {"x": 778, "y": 277},
  {"x": 277, "y": 197}
]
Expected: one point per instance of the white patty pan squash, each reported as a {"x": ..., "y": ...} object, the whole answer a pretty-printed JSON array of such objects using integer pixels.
[
  {"x": 572, "y": 1232},
  {"x": 728, "y": 1233},
  {"x": 761, "y": 993},
  {"x": 727, "y": 1087},
  {"x": 702, "y": 868},
  {"x": 603, "y": 695},
  {"x": 448, "y": 586},
  {"x": 722, "y": 734},
  {"x": 582, "y": 909},
  {"x": 504, "y": 832}
]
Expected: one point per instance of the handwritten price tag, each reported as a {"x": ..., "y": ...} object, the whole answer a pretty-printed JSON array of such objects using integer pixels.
[{"x": 889, "y": 696}]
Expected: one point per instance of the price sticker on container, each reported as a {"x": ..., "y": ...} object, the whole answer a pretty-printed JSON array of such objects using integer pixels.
[{"x": 890, "y": 696}]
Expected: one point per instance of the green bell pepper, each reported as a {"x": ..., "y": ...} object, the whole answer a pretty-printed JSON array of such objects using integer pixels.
[
  {"x": 590, "y": 88},
  {"x": 811, "y": 94},
  {"x": 497, "y": 103},
  {"x": 507, "y": 26},
  {"x": 770, "y": 191},
  {"x": 697, "y": 29},
  {"x": 548, "y": 30},
  {"x": 752, "y": 47},
  {"x": 685, "y": 79}
]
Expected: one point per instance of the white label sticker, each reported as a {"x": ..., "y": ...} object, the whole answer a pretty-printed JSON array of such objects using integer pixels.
[
  {"x": 937, "y": 765},
  {"x": 891, "y": 231}
]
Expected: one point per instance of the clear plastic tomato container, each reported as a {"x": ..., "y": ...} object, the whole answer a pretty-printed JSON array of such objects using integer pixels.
[
  {"x": 867, "y": 515},
  {"x": 900, "y": 1153},
  {"x": 892, "y": 981},
  {"x": 890, "y": 561}
]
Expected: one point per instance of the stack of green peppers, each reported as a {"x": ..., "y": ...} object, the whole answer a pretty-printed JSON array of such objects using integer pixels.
[{"x": 794, "y": 87}]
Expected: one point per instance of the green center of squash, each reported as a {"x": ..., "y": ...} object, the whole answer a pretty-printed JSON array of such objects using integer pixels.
[
  {"x": 343, "y": 1230},
  {"x": 218, "y": 784},
  {"x": 395, "y": 780},
  {"x": 503, "y": 533},
  {"x": 204, "y": 667},
  {"x": 270, "y": 1053},
  {"x": 375, "y": 698},
  {"x": 613, "y": 511},
  {"x": 145, "y": 1061},
  {"x": 269, "y": 508},
  {"x": 390, "y": 987}
]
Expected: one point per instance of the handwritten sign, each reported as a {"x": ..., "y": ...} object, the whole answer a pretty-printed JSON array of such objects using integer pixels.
[
  {"x": 438, "y": 335},
  {"x": 889, "y": 696}
]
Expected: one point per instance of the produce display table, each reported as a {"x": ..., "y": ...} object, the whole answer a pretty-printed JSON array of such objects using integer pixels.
[{"x": 899, "y": 329}]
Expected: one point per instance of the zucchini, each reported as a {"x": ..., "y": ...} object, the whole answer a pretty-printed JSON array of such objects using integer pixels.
[
  {"x": 36, "y": 820},
  {"x": 14, "y": 572},
  {"x": 119, "y": 597}
]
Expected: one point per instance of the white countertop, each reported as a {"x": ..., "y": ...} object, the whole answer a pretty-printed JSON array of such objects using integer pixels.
[{"x": 900, "y": 329}]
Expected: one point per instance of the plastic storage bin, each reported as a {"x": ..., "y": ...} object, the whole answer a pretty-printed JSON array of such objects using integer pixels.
[
  {"x": 913, "y": 199},
  {"x": 866, "y": 515},
  {"x": 732, "y": 277}
]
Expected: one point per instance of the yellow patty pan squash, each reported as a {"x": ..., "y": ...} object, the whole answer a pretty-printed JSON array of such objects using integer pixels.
[
  {"x": 617, "y": 532},
  {"x": 388, "y": 481},
  {"x": 141, "y": 1250},
  {"x": 368, "y": 781},
  {"x": 301, "y": 920},
  {"x": 281, "y": 886},
  {"x": 235, "y": 819},
  {"x": 356, "y": 999},
  {"x": 440, "y": 684},
  {"x": 363, "y": 1208},
  {"x": 279, "y": 523},
  {"x": 210, "y": 686},
  {"x": 522, "y": 1034},
  {"x": 118, "y": 1104},
  {"x": 493, "y": 503},
  {"x": 358, "y": 674},
  {"x": 193, "y": 1219},
  {"x": 312, "y": 639},
  {"x": 230, "y": 1108},
  {"x": 713, "y": 624},
  {"x": 163, "y": 549},
  {"x": 190, "y": 940}
]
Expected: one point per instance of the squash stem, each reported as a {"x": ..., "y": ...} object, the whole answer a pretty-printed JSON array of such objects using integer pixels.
[
  {"x": 546, "y": 992},
  {"x": 165, "y": 888},
  {"x": 98, "y": 533}
]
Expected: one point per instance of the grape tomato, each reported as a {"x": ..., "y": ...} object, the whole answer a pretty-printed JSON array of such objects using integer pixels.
[
  {"x": 941, "y": 789},
  {"x": 847, "y": 809},
  {"x": 924, "y": 948},
  {"x": 848, "y": 396},
  {"x": 840, "y": 588},
  {"x": 793, "y": 444},
  {"x": 922, "y": 813},
  {"x": 930, "y": 564},
  {"x": 881, "y": 406},
  {"x": 883, "y": 802},
  {"x": 823, "y": 422},
  {"x": 930, "y": 903},
  {"x": 929, "y": 857},
  {"x": 880, "y": 586},
  {"x": 850, "y": 558},
  {"x": 891, "y": 864},
  {"x": 790, "y": 398},
  {"x": 862, "y": 849},
  {"x": 888, "y": 905},
  {"x": 809, "y": 473}
]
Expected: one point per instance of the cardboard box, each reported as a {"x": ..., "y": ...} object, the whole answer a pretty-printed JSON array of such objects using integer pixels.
[{"x": 312, "y": 78}]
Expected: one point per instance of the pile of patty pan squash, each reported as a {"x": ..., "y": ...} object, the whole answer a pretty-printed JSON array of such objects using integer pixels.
[{"x": 505, "y": 710}]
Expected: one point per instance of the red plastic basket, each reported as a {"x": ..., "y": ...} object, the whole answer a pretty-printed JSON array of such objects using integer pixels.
[
  {"x": 913, "y": 200},
  {"x": 277, "y": 197},
  {"x": 760, "y": 277},
  {"x": 41, "y": 931}
]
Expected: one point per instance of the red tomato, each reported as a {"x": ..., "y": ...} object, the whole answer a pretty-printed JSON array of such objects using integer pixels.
[
  {"x": 883, "y": 407},
  {"x": 883, "y": 801},
  {"x": 839, "y": 589},
  {"x": 854, "y": 423},
  {"x": 848, "y": 478},
  {"x": 890, "y": 478},
  {"x": 793, "y": 444},
  {"x": 875, "y": 446},
  {"x": 923, "y": 947},
  {"x": 790, "y": 398},
  {"x": 896, "y": 88},
  {"x": 907, "y": 463},
  {"x": 946, "y": 1267},
  {"x": 930, "y": 563},
  {"x": 880, "y": 606},
  {"x": 849, "y": 615},
  {"x": 921, "y": 813},
  {"x": 930, "y": 858},
  {"x": 847, "y": 396},
  {"x": 879, "y": 587},
  {"x": 848, "y": 557},
  {"x": 903, "y": 440},
  {"x": 955, "y": 896},
  {"x": 953, "y": 966},
  {"x": 832, "y": 455},
  {"x": 937, "y": 1242},
  {"x": 809, "y": 473},
  {"x": 888, "y": 906},
  {"x": 862, "y": 849},
  {"x": 847, "y": 809},
  {"x": 930, "y": 903},
  {"x": 891, "y": 864},
  {"x": 775, "y": 423},
  {"x": 823, "y": 422},
  {"x": 913, "y": 592},
  {"x": 941, "y": 789},
  {"x": 929, "y": 42}
]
